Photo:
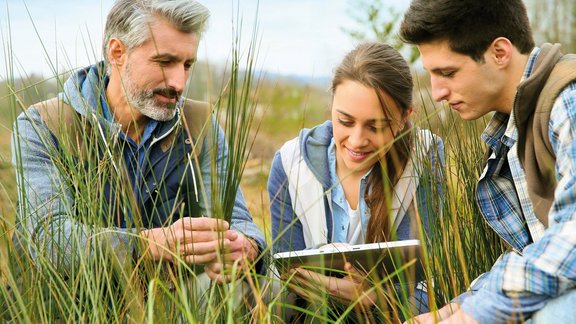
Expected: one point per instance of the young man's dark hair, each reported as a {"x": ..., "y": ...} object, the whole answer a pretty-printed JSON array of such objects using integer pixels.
[
  {"x": 469, "y": 26},
  {"x": 482, "y": 61}
]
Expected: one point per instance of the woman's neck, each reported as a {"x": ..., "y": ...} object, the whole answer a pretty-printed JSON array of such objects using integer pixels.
[{"x": 350, "y": 182}]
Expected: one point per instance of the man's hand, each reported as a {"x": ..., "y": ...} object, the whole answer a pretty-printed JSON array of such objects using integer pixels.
[
  {"x": 241, "y": 249},
  {"x": 435, "y": 317},
  {"x": 194, "y": 240}
]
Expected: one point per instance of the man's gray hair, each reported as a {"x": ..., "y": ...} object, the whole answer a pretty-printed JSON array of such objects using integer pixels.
[{"x": 129, "y": 20}]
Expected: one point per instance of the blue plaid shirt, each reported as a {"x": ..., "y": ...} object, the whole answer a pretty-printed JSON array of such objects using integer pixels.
[{"x": 542, "y": 263}]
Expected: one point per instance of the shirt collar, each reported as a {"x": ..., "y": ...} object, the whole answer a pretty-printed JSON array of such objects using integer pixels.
[{"x": 530, "y": 64}]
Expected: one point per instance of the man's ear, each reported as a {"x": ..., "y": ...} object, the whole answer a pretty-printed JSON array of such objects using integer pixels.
[
  {"x": 117, "y": 53},
  {"x": 500, "y": 51}
]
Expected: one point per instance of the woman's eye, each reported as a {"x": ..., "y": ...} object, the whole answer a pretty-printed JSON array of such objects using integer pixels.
[
  {"x": 345, "y": 122},
  {"x": 380, "y": 126}
]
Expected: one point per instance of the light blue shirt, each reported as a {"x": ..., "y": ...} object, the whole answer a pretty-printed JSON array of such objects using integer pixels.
[{"x": 341, "y": 219}]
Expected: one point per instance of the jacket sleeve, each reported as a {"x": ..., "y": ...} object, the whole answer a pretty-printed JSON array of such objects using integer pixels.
[
  {"x": 47, "y": 225},
  {"x": 241, "y": 218},
  {"x": 519, "y": 285},
  {"x": 287, "y": 232}
]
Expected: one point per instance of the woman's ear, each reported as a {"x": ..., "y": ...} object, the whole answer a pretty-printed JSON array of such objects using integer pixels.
[
  {"x": 117, "y": 53},
  {"x": 408, "y": 112},
  {"x": 404, "y": 120},
  {"x": 406, "y": 116}
]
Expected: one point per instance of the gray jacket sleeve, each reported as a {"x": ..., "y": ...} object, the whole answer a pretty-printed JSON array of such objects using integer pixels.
[{"x": 47, "y": 224}]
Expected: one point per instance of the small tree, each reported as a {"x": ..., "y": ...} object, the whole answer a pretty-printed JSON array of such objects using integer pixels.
[
  {"x": 554, "y": 21},
  {"x": 380, "y": 22}
]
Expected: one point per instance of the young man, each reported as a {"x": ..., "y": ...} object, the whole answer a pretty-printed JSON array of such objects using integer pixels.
[
  {"x": 143, "y": 163},
  {"x": 482, "y": 59}
]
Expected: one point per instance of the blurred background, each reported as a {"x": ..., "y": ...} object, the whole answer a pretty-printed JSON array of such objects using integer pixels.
[{"x": 300, "y": 41}]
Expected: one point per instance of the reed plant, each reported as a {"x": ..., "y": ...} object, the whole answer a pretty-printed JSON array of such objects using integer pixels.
[
  {"x": 457, "y": 244},
  {"x": 78, "y": 265},
  {"x": 99, "y": 284}
]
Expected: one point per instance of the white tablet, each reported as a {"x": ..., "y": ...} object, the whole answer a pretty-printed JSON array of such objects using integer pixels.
[{"x": 386, "y": 259}]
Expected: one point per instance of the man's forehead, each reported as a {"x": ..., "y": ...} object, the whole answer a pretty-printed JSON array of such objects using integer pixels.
[{"x": 439, "y": 55}]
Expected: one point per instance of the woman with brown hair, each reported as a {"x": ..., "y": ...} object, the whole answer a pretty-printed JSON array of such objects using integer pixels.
[{"x": 359, "y": 177}]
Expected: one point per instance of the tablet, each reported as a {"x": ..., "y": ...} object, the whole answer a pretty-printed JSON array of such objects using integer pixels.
[{"x": 386, "y": 259}]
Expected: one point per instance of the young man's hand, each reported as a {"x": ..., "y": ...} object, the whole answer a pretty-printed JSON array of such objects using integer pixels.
[
  {"x": 459, "y": 317},
  {"x": 435, "y": 317}
]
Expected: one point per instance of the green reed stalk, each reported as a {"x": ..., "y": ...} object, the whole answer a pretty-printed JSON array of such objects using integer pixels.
[{"x": 98, "y": 284}]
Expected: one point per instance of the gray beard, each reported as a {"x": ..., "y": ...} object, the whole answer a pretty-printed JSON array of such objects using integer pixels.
[{"x": 144, "y": 102}]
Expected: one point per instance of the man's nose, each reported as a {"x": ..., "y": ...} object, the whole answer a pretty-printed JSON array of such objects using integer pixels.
[
  {"x": 176, "y": 78},
  {"x": 439, "y": 90}
]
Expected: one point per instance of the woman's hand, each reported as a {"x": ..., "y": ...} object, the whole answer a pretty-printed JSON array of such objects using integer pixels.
[{"x": 314, "y": 286}]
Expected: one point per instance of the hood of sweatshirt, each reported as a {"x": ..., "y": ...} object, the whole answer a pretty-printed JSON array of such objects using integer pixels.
[
  {"x": 315, "y": 143},
  {"x": 85, "y": 91}
]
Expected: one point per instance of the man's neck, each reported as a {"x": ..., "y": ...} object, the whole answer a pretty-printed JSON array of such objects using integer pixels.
[
  {"x": 132, "y": 122},
  {"x": 516, "y": 73}
]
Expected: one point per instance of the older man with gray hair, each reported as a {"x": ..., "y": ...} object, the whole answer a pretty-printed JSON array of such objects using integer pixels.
[{"x": 120, "y": 155}]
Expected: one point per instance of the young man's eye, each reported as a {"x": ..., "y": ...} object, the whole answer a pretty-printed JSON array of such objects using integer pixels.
[{"x": 448, "y": 74}]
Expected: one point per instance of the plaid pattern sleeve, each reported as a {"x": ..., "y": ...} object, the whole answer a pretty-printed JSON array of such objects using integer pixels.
[{"x": 520, "y": 284}]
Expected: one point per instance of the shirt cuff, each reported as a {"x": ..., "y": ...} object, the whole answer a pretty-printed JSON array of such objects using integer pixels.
[{"x": 489, "y": 307}]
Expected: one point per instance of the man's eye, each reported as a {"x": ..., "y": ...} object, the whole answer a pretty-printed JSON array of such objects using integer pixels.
[
  {"x": 187, "y": 66},
  {"x": 448, "y": 74}
]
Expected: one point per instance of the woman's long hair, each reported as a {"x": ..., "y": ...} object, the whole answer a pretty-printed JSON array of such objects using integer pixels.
[{"x": 382, "y": 68}]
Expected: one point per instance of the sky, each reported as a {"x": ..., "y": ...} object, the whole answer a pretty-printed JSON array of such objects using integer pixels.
[{"x": 297, "y": 37}]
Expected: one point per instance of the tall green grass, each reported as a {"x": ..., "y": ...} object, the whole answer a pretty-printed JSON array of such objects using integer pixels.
[
  {"x": 459, "y": 245},
  {"x": 97, "y": 283},
  {"x": 102, "y": 287},
  {"x": 463, "y": 245}
]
